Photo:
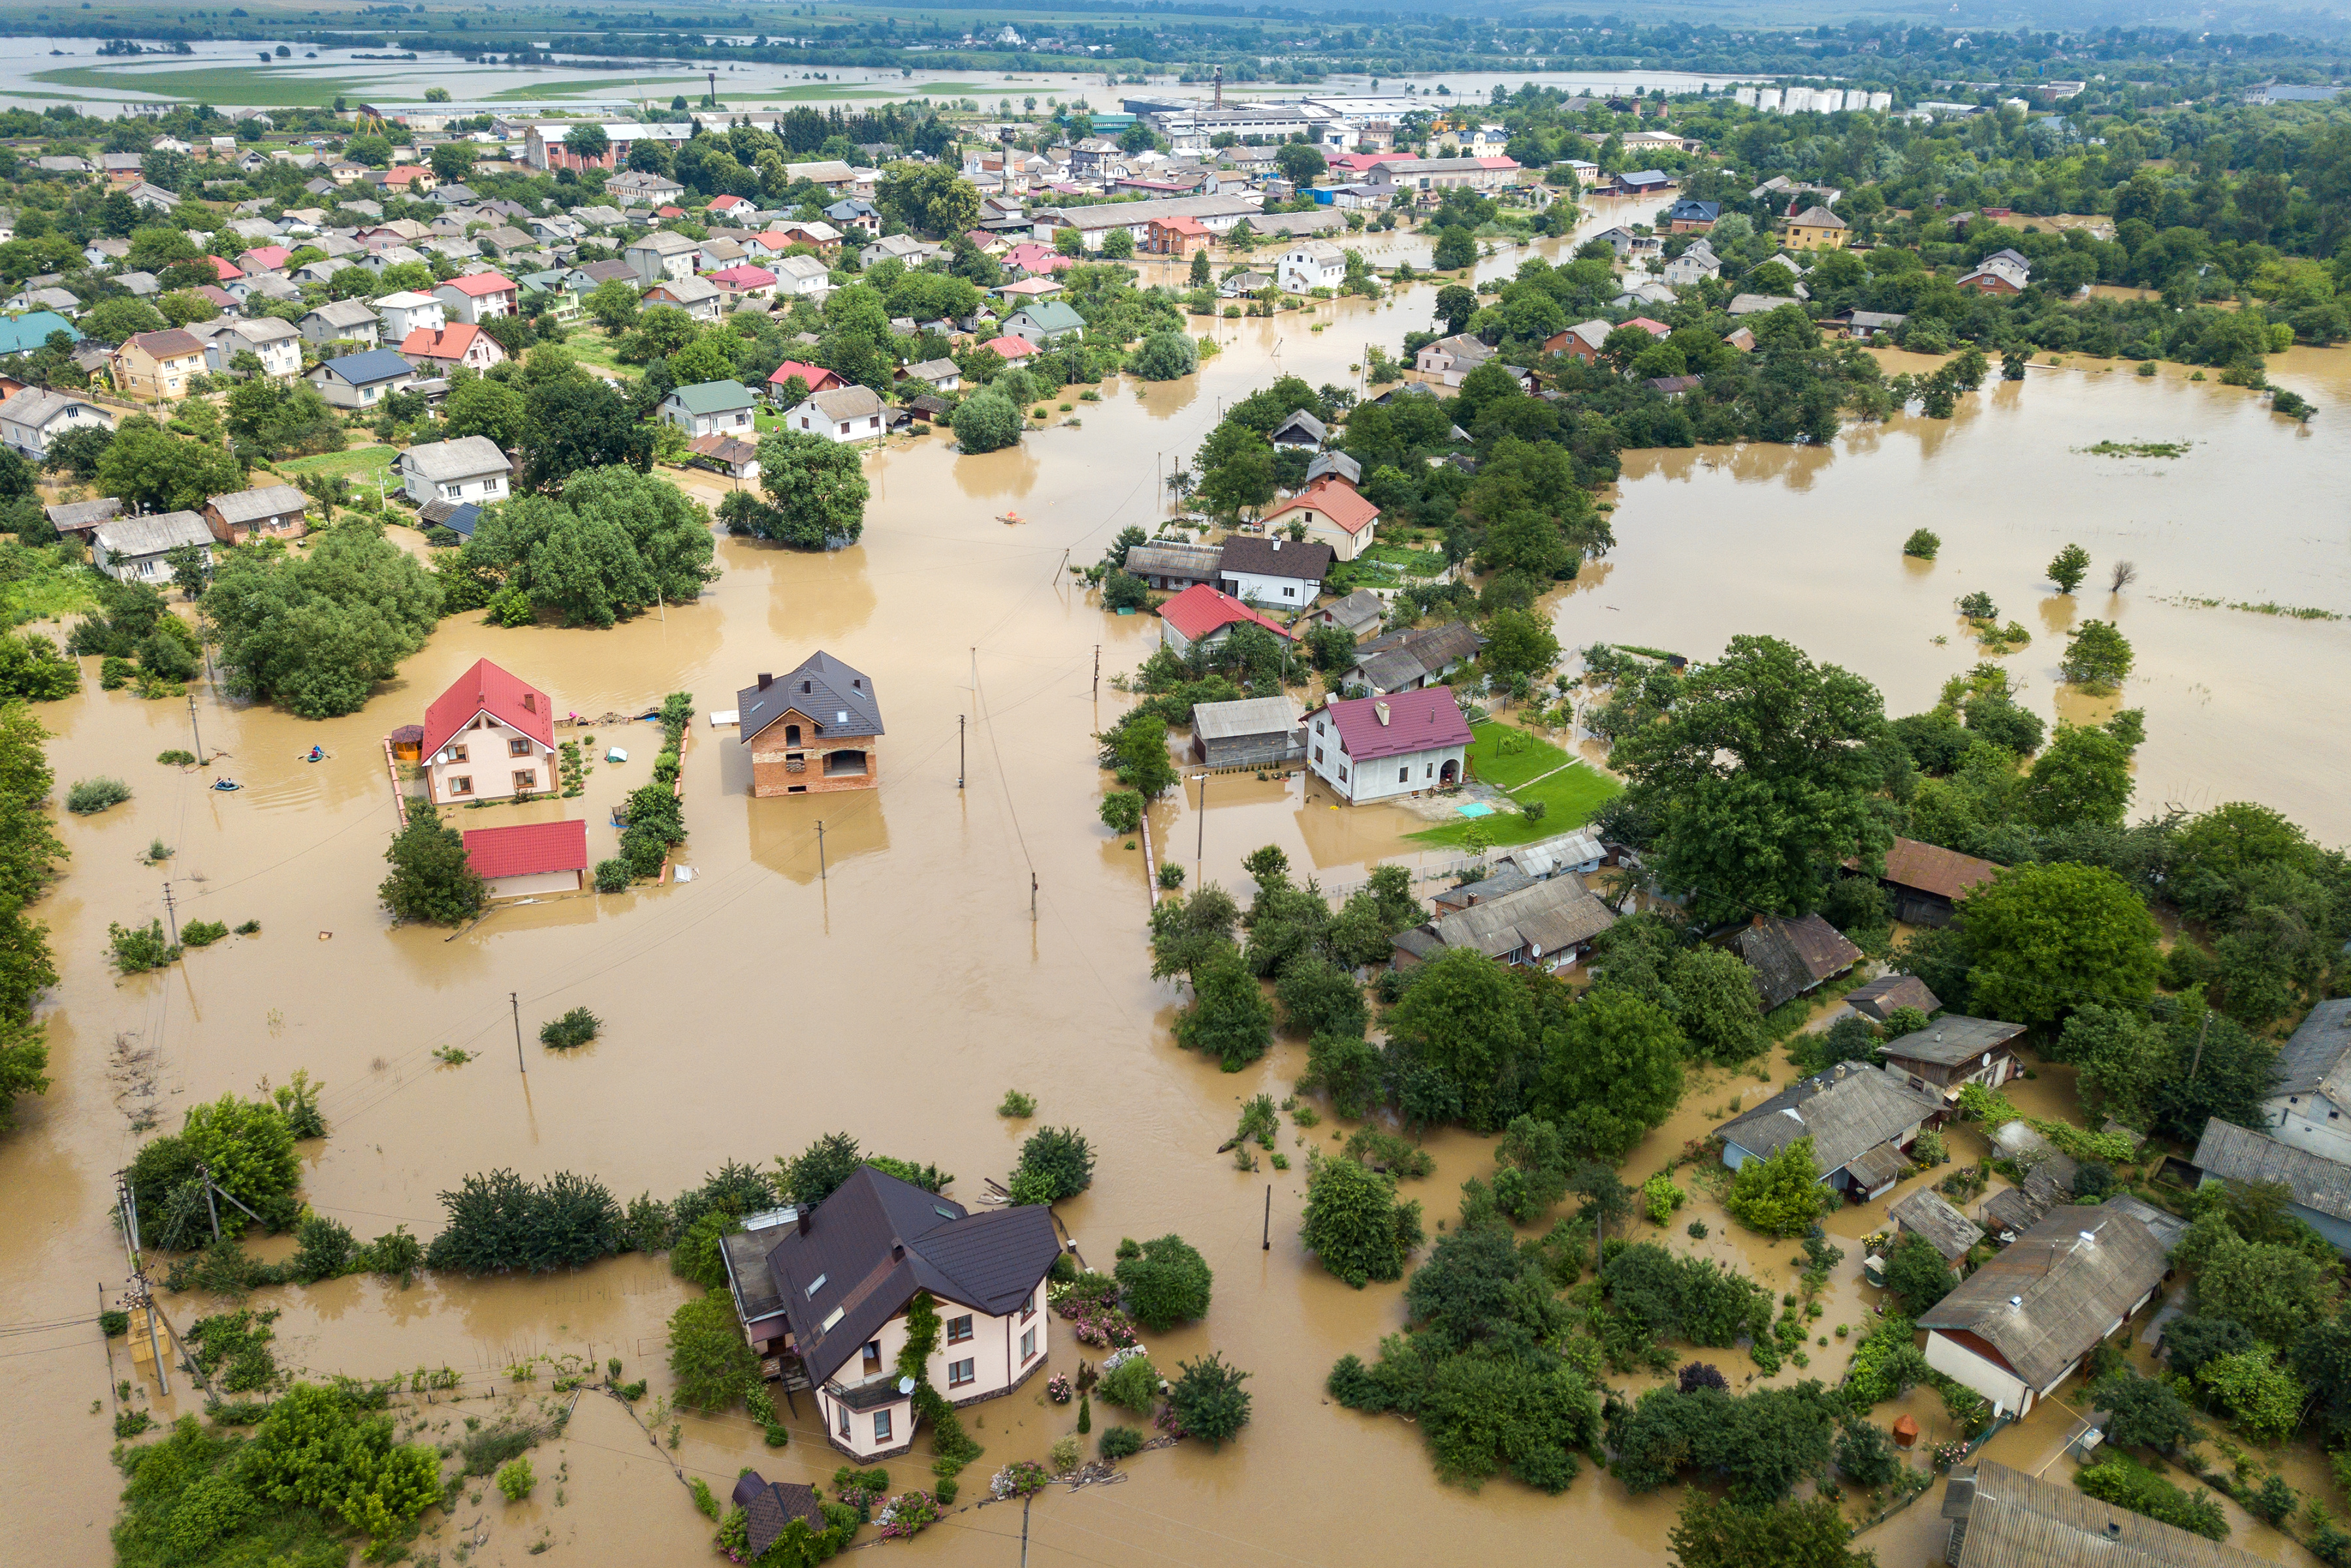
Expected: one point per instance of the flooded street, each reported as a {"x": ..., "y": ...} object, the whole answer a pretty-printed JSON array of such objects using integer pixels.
[{"x": 901, "y": 987}]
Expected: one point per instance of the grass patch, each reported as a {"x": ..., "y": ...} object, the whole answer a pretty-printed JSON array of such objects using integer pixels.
[
  {"x": 1507, "y": 756},
  {"x": 354, "y": 463},
  {"x": 2136, "y": 449},
  {"x": 597, "y": 87},
  {"x": 1570, "y": 797},
  {"x": 1411, "y": 562},
  {"x": 285, "y": 85},
  {"x": 589, "y": 346},
  {"x": 50, "y": 593},
  {"x": 2291, "y": 612}
]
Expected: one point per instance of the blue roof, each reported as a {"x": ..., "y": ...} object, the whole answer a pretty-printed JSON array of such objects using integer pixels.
[
  {"x": 370, "y": 365},
  {"x": 1695, "y": 211},
  {"x": 461, "y": 521},
  {"x": 23, "y": 334}
]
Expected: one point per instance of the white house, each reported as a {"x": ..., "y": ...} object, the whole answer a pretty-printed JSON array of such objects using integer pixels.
[
  {"x": 844, "y": 415},
  {"x": 1310, "y": 265},
  {"x": 477, "y": 297},
  {"x": 799, "y": 275},
  {"x": 1273, "y": 572},
  {"x": 408, "y": 312},
  {"x": 470, "y": 468},
  {"x": 276, "y": 344},
  {"x": 709, "y": 408},
  {"x": 490, "y": 736},
  {"x": 1373, "y": 749},
  {"x": 361, "y": 379},
  {"x": 698, "y": 297},
  {"x": 663, "y": 257},
  {"x": 137, "y": 549},
  {"x": 32, "y": 418},
  {"x": 2310, "y": 1108}
]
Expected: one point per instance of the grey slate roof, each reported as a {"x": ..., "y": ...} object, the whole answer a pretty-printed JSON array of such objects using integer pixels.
[
  {"x": 1248, "y": 716},
  {"x": 2314, "y": 1058},
  {"x": 462, "y": 458},
  {"x": 1301, "y": 423},
  {"x": 1360, "y": 608},
  {"x": 1258, "y": 557},
  {"x": 1337, "y": 463},
  {"x": 1845, "y": 1116},
  {"x": 1930, "y": 1213},
  {"x": 253, "y": 506},
  {"x": 1547, "y": 918},
  {"x": 2239, "y": 1155},
  {"x": 2054, "y": 1292},
  {"x": 2018, "y": 1521},
  {"x": 1791, "y": 956},
  {"x": 72, "y": 517},
  {"x": 843, "y": 404},
  {"x": 1492, "y": 885},
  {"x": 838, "y": 700},
  {"x": 1876, "y": 998},
  {"x": 153, "y": 534},
  {"x": 1163, "y": 558},
  {"x": 877, "y": 1240},
  {"x": 1951, "y": 1039},
  {"x": 346, "y": 313}
]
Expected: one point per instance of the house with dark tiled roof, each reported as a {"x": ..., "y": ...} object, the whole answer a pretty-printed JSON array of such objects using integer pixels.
[
  {"x": 1859, "y": 1118},
  {"x": 813, "y": 731},
  {"x": 1407, "y": 660},
  {"x": 1790, "y": 957},
  {"x": 824, "y": 1290},
  {"x": 1283, "y": 574},
  {"x": 1877, "y": 1000}
]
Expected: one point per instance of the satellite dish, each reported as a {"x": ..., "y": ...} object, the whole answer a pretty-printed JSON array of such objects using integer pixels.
[{"x": 905, "y": 1385}]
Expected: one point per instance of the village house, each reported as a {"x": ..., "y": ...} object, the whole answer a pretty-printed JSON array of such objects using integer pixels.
[
  {"x": 812, "y": 378},
  {"x": 1301, "y": 432},
  {"x": 489, "y": 736},
  {"x": 360, "y": 380},
  {"x": 1582, "y": 341},
  {"x": 33, "y": 417},
  {"x": 442, "y": 350},
  {"x": 74, "y": 518},
  {"x": 1375, "y": 748},
  {"x": 769, "y": 1506},
  {"x": 1173, "y": 565},
  {"x": 2003, "y": 1518},
  {"x": 698, "y": 297},
  {"x": 469, "y": 468},
  {"x": 1924, "y": 1212},
  {"x": 812, "y": 732},
  {"x": 1927, "y": 880},
  {"x": 1816, "y": 229},
  {"x": 1253, "y": 732},
  {"x": 1953, "y": 1051},
  {"x": 939, "y": 375},
  {"x": 1688, "y": 216},
  {"x": 2319, "y": 1187},
  {"x": 708, "y": 408},
  {"x": 1334, "y": 512},
  {"x": 844, "y": 415},
  {"x": 1044, "y": 322},
  {"x": 1359, "y": 613},
  {"x": 1546, "y": 925},
  {"x": 1863, "y": 325},
  {"x": 157, "y": 365},
  {"x": 854, "y": 214},
  {"x": 529, "y": 860},
  {"x": 1204, "y": 616},
  {"x": 1578, "y": 854},
  {"x": 1876, "y": 999},
  {"x": 661, "y": 258},
  {"x": 1273, "y": 571},
  {"x": 137, "y": 550},
  {"x": 1694, "y": 266},
  {"x": 732, "y": 455},
  {"x": 1790, "y": 957},
  {"x": 824, "y": 1291},
  {"x": 477, "y": 297},
  {"x": 276, "y": 344},
  {"x": 741, "y": 282},
  {"x": 1177, "y": 237},
  {"x": 1447, "y": 360},
  {"x": 2310, "y": 1105},
  {"x": 2001, "y": 272},
  {"x": 1861, "y": 1119},
  {"x": 2026, "y": 1320},
  {"x": 801, "y": 276},
  {"x": 1407, "y": 661},
  {"x": 1310, "y": 265},
  {"x": 408, "y": 312},
  {"x": 1423, "y": 174},
  {"x": 271, "y": 511},
  {"x": 341, "y": 321}
]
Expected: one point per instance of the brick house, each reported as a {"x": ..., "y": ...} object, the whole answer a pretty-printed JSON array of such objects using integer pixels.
[
  {"x": 491, "y": 735},
  {"x": 828, "y": 1287},
  {"x": 273, "y": 511},
  {"x": 811, "y": 732}
]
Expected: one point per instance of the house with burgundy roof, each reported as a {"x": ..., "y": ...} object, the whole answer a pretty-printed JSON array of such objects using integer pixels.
[
  {"x": 1333, "y": 511},
  {"x": 1376, "y": 749},
  {"x": 490, "y": 736},
  {"x": 528, "y": 859},
  {"x": 1202, "y": 617}
]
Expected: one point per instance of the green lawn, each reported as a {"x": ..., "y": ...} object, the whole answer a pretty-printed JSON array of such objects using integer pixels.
[
  {"x": 1412, "y": 562},
  {"x": 355, "y": 464},
  {"x": 48, "y": 594},
  {"x": 1527, "y": 769},
  {"x": 604, "y": 87},
  {"x": 589, "y": 346},
  {"x": 285, "y": 85}
]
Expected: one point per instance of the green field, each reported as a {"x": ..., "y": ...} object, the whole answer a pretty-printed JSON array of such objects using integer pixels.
[
  {"x": 359, "y": 465},
  {"x": 49, "y": 594},
  {"x": 605, "y": 87},
  {"x": 281, "y": 85},
  {"x": 1527, "y": 769}
]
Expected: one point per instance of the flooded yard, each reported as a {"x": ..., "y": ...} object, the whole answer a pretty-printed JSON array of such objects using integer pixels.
[{"x": 900, "y": 986}]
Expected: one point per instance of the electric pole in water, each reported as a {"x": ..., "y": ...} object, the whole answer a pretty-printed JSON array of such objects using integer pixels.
[
  {"x": 198, "y": 728},
  {"x": 1200, "y": 850},
  {"x": 1024, "y": 1499},
  {"x": 1033, "y": 898},
  {"x": 959, "y": 757},
  {"x": 174, "y": 912},
  {"x": 1097, "y": 673},
  {"x": 515, "y": 1002},
  {"x": 819, "y": 852}
]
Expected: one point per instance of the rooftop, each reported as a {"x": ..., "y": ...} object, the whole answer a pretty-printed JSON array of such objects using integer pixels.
[
  {"x": 527, "y": 849},
  {"x": 487, "y": 688},
  {"x": 2020, "y": 1520},
  {"x": 713, "y": 397},
  {"x": 1543, "y": 919},
  {"x": 252, "y": 505},
  {"x": 462, "y": 458},
  {"x": 1254, "y": 556},
  {"x": 2237, "y": 1154},
  {"x": 1953, "y": 1039},
  {"x": 838, "y": 700},
  {"x": 1930, "y": 1213},
  {"x": 1200, "y": 610},
  {"x": 1930, "y": 868},
  {"x": 1248, "y": 716},
  {"x": 2055, "y": 1290},
  {"x": 1400, "y": 724}
]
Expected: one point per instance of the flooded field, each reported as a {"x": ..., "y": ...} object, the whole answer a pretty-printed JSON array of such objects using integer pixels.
[{"x": 898, "y": 991}]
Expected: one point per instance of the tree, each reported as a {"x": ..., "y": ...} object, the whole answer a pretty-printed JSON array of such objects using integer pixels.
[
  {"x": 1300, "y": 163},
  {"x": 1464, "y": 1025},
  {"x": 1166, "y": 356},
  {"x": 1201, "y": 275},
  {"x": 1780, "y": 1195},
  {"x": 2083, "y": 779},
  {"x": 77, "y": 451},
  {"x": 2146, "y": 1413},
  {"x": 1229, "y": 1018},
  {"x": 1712, "y": 1534},
  {"x": 587, "y": 141},
  {"x": 1520, "y": 643},
  {"x": 154, "y": 471},
  {"x": 430, "y": 878},
  {"x": 1055, "y": 1163},
  {"x": 2072, "y": 565},
  {"x": 1208, "y": 1400},
  {"x": 576, "y": 422},
  {"x": 2045, "y": 939},
  {"x": 817, "y": 1172},
  {"x": 707, "y": 1355},
  {"x": 315, "y": 632},
  {"x": 613, "y": 303},
  {"x": 986, "y": 421},
  {"x": 2097, "y": 656},
  {"x": 1760, "y": 779},
  {"x": 2277, "y": 1291},
  {"x": 1918, "y": 1274},
  {"x": 113, "y": 321},
  {"x": 1353, "y": 1224},
  {"x": 477, "y": 405},
  {"x": 815, "y": 493},
  {"x": 452, "y": 162},
  {"x": 1119, "y": 244},
  {"x": 1456, "y": 248},
  {"x": 1319, "y": 997},
  {"x": 1166, "y": 1283},
  {"x": 1611, "y": 1070},
  {"x": 932, "y": 198}
]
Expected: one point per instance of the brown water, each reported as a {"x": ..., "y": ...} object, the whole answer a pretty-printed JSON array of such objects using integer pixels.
[{"x": 899, "y": 993}]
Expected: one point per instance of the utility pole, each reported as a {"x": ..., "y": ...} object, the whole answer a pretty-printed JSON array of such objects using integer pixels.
[
  {"x": 1269, "y": 1216},
  {"x": 959, "y": 754},
  {"x": 198, "y": 728},
  {"x": 1024, "y": 1499},
  {"x": 515, "y": 1002},
  {"x": 170, "y": 910},
  {"x": 1033, "y": 898},
  {"x": 1098, "y": 672},
  {"x": 212, "y": 1210},
  {"x": 1200, "y": 850},
  {"x": 821, "y": 874}
]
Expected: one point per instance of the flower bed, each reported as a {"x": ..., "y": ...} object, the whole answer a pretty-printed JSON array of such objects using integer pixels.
[
  {"x": 1057, "y": 1389},
  {"x": 907, "y": 1514},
  {"x": 1091, "y": 1304},
  {"x": 1018, "y": 1479}
]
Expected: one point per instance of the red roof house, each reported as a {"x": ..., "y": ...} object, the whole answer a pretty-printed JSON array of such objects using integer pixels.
[
  {"x": 224, "y": 271},
  {"x": 490, "y": 736},
  {"x": 1009, "y": 347},
  {"x": 1654, "y": 328},
  {"x": 263, "y": 259},
  {"x": 1372, "y": 748},
  {"x": 727, "y": 203},
  {"x": 477, "y": 296},
  {"x": 1334, "y": 512},
  {"x": 815, "y": 377},
  {"x": 1202, "y": 616},
  {"x": 458, "y": 344},
  {"x": 529, "y": 857}
]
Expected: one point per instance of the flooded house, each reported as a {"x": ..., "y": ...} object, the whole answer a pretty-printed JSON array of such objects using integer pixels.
[
  {"x": 1201, "y": 617},
  {"x": 1927, "y": 879},
  {"x": 1578, "y": 851},
  {"x": 138, "y": 549},
  {"x": 1546, "y": 925},
  {"x": 1254, "y": 732},
  {"x": 1954, "y": 1051},
  {"x": 491, "y": 735},
  {"x": 2000, "y": 1518},
  {"x": 1862, "y": 1121},
  {"x": 823, "y": 1292},
  {"x": 2026, "y": 1320},
  {"x": 2310, "y": 1107},
  {"x": 1375, "y": 749},
  {"x": 768, "y": 1506},
  {"x": 812, "y": 732},
  {"x": 1174, "y": 565},
  {"x": 1790, "y": 957},
  {"x": 270, "y": 511},
  {"x": 1359, "y": 613},
  {"x": 1333, "y": 511},
  {"x": 529, "y": 859},
  {"x": 1927, "y": 1213},
  {"x": 1284, "y": 574},
  {"x": 1407, "y": 661},
  {"x": 1877, "y": 1000},
  {"x": 2318, "y": 1188}
]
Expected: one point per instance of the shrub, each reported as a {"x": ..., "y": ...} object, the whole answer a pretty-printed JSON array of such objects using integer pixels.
[
  {"x": 1117, "y": 1443},
  {"x": 113, "y": 1325},
  {"x": 1122, "y": 811},
  {"x": 612, "y": 876},
  {"x": 203, "y": 933},
  {"x": 176, "y": 758},
  {"x": 1132, "y": 1385},
  {"x": 573, "y": 1030},
  {"x": 704, "y": 1500},
  {"x": 1662, "y": 1198},
  {"x": 1353, "y": 1224},
  {"x": 324, "y": 1249},
  {"x": 249, "y": 928},
  {"x": 1922, "y": 543},
  {"x": 707, "y": 1353},
  {"x": 1208, "y": 1401},
  {"x": 1063, "y": 1454},
  {"x": 515, "y": 1480},
  {"x": 1166, "y": 1284},
  {"x": 1171, "y": 875},
  {"x": 1779, "y": 1195},
  {"x": 697, "y": 1256},
  {"x": 1866, "y": 1455},
  {"x": 2125, "y": 1483},
  {"x": 136, "y": 950},
  {"x": 90, "y": 796},
  {"x": 1015, "y": 1105},
  {"x": 1056, "y": 1163}
]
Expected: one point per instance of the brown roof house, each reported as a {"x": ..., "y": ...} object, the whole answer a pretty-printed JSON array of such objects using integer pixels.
[
  {"x": 2023, "y": 1323},
  {"x": 1793, "y": 957},
  {"x": 1927, "y": 879},
  {"x": 812, "y": 731},
  {"x": 828, "y": 1287},
  {"x": 1928, "y": 1213},
  {"x": 2002, "y": 1517},
  {"x": 1952, "y": 1052},
  {"x": 1861, "y": 1119},
  {"x": 1876, "y": 999},
  {"x": 157, "y": 365}
]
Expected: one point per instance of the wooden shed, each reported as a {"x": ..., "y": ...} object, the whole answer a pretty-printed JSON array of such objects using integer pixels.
[{"x": 1255, "y": 732}]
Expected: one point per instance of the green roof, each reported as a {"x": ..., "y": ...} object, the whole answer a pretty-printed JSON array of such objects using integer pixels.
[
  {"x": 1052, "y": 317},
  {"x": 713, "y": 397}
]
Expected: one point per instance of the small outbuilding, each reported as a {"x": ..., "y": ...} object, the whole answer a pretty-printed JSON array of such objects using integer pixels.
[
  {"x": 1255, "y": 732},
  {"x": 1928, "y": 1213},
  {"x": 1174, "y": 565},
  {"x": 1954, "y": 1051},
  {"x": 1927, "y": 879},
  {"x": 1877, "y": 1000},
  {"x": 1790, "y": 957},
  {"x": 529, "y": 859}
]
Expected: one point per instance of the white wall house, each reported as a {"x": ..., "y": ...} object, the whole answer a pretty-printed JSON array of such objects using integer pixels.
[
  {"x": 1370, "y": 748},
  {"x": 1310, "y": 265},
  {"x": 470, "y": 468},
  {"x": 844, "y": 414},
  {"x": 408, "y": 312},
  {"x": 2311, "y": 1106}
]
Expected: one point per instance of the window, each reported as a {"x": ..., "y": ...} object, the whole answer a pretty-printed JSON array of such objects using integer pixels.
[
  {"x": 1029, "y": 1345},
  {"x": 525, "y": 780},
  {"x": 1029, "y": 1307},
  {"x": 1403, "y": 774},
  {"x": 1342, "y": 773},
  {"x": 845, "y": 1420},
  {"x": 461, "y": 786},
  {"x": 881, "y": 1426},
  {"x": 518, "y": 748},
  {"x": 1318, "y": 754},
  {"x": 815, "y": 1285},
  {"x": 870, "y": 1361},
  {"x": 959, "y": 1328},
  {"x": 962, "y": 1374}
]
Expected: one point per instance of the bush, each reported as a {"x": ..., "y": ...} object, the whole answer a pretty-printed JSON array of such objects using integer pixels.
[
  {"x": 1922, "y": 543},
  {"x": 90, "y": 796},
  {"x": 500, "y": 1222},
  {"x": 1122, "y": 811},
  {"x": 707, "y": 1353},
  {"x": 697, "y": 1256},
  {"x": 1865, "y": 1454},
  {"x": 203, "y": 933},
  {"x": 1167, "y": 1284},
  {"x": 2125, "y": 1483},
  {"x": 1015, "y": 1105},
  {"x": 612, "y": 876},
  {"x": 324, "y": 1249},
  {"x": 1171, "y": 875},
  {"x": 1056, "y": 1163},
  {"x": 1208, "y": 1401},
  {"x": 1132, "y": 1385},
  {"x": 176, "y": 758},
  {"x": 136, "y": 951},
  {"x": 515, "y": 1480},
  {"x": 1117, "y": 1443},
  {"x": 573, "y": 1030},
  {"x": 113, "y": 1325},
  {"x": 1353, "y": 1224}
]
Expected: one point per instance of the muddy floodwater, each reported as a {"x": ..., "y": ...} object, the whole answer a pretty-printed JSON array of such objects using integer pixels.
[{"x": 899, "y": 988}]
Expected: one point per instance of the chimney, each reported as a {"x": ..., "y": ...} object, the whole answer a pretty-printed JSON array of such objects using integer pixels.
[
  {"x": 1381, "y": 710},
  {"x": 531, "y": 702},
  {"x": 766, "y": 680},
  {"x": 800, "y": 1216},
  {"x": 897, "y": 1252}
]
